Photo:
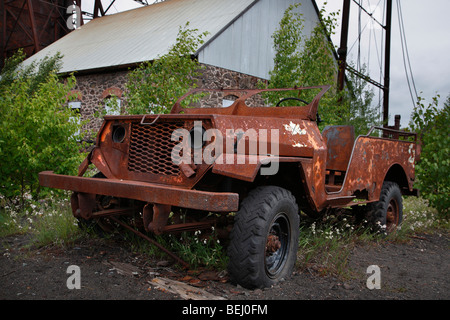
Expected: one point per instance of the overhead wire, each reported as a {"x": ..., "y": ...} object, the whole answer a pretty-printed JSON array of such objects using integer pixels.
[
  {"x": 380, "y": 57},
  {"x": 405, "y": 55},
  {"x": 372, "y": 23},
  {"x": 368, "y": 23},
  {"x": 373, "y": 34},
  {"x": 407, "y": 51},
  {"x": 358, "y": 61}
]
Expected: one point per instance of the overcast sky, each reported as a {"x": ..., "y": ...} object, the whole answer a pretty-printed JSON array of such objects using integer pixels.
[
  {"x": 427, "y": 42},
  {"x": 426, "y": 29}
]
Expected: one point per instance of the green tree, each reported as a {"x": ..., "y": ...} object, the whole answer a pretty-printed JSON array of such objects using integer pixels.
[
  {"x": 287, "y": 39},
  {"x": 433, "y": 170},
  {"x": 308, "y": 61},
  {"x": 35, "y": 73},
  {"x": 156, "y": 85},
  {"x": 37, "y": 131},
  {"x": 300, "y": 60}
]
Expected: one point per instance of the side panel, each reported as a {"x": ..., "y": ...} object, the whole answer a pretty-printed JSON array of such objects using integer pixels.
[
  {"x": 370, "y": 161},
  {"x": 288, "y": 137},
  {"x": 339, "y": 140}
]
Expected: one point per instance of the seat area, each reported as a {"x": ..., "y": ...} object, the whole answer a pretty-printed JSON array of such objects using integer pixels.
[{"x": 340, "y": 141}]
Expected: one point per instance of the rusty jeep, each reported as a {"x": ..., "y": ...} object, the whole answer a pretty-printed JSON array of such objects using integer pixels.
[{"x": 244, "y": 168}]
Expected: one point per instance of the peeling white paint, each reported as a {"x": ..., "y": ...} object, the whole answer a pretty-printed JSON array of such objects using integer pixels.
[
  {"x": 299, "y": 145},
  {"x": 412, "y": 152},
  {"x": 294, "y": 128}
]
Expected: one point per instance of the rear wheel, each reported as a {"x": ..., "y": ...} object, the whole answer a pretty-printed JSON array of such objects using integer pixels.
[
  {"x": 264, "y": 240},
  {"x": 386, "y": 214}
]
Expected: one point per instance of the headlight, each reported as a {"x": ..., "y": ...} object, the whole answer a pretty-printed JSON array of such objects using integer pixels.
[
  {"x": 196, "y": 137},
  {"x": 118, "y": 134}
]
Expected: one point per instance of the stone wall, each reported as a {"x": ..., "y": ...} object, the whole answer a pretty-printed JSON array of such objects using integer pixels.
[
  {"x": 93, "y": 90},
  {"x": 219, "y": 78}
]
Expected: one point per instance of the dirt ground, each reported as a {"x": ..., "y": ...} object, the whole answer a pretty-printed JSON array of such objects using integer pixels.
[{"x": 418, "y": 270}]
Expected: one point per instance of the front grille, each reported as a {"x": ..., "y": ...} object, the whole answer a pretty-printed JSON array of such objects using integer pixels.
[{"x": 151, "y": 147}]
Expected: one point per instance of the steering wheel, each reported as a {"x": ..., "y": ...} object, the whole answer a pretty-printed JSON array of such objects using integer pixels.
[
  {"x": 319, "y": 120},
  {"x": 282, "y": 100}
]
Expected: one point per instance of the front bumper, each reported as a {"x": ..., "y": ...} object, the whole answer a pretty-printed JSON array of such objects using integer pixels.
[{"x": 143, "y": 191}]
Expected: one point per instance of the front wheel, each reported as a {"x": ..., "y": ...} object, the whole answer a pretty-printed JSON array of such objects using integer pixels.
[{"x": 264, "y": 240}]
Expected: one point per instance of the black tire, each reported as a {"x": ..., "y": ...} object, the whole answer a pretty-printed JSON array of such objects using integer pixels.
[
  {"x": 386, "y": 214},
  {"x": 264, "y": 239},
  {"x": 99, "y": 226}
]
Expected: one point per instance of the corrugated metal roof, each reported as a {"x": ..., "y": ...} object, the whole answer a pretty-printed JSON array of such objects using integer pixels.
[{"x": 141, "y": 34}]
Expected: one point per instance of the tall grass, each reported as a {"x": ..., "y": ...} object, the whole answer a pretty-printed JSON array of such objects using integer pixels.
[
  {"x": 420, "y": 217},
  {"x": 47, "y": 221},
  {"x": 325, "y": 245}
]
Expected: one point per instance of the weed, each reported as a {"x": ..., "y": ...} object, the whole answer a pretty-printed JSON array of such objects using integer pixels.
[
  {"x": 46, "y": 221},
  {"x": 419, "y": 216},
  {"x": 325, "y": 245},
  {"x": 199, "y": 249}
]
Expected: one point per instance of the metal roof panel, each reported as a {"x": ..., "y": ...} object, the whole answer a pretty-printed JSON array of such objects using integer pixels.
[{"x": 140, "y": 34}]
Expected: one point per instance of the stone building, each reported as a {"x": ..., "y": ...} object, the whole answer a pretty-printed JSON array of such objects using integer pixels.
[{"x": 238, "y": 50}]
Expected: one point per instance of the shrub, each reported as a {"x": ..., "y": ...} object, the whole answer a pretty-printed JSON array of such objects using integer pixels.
[
  {"x": 433, "y": 169},
  {"x": 37, "y": 130}
]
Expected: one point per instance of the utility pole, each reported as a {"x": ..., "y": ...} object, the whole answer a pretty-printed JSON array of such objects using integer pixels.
[
  {"x": 387, "y": 63},
  {"x": 342, "y": 51},
  {"x": 342, "y": 55}
]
